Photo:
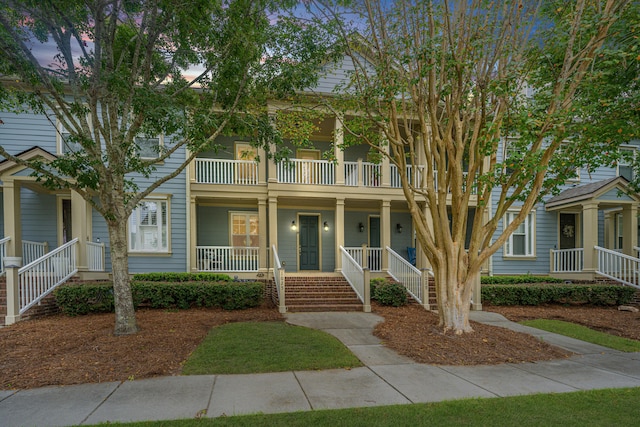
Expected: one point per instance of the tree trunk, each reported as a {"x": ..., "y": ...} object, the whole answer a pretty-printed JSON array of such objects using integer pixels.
[
  {"x": 125, "y": 314},
  {"x": 454, "y": 295}
]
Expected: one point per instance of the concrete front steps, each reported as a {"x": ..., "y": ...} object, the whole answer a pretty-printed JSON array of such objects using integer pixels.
[{"x": 320, "y": 293}]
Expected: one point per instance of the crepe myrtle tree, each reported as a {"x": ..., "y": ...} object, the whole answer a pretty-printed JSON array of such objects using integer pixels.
[
  {"x": 118, "y": 69},
  {"x": 484, "y": 99}
]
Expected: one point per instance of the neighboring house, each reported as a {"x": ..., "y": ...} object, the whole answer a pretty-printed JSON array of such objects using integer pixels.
[{"x": 228, "y": 213}]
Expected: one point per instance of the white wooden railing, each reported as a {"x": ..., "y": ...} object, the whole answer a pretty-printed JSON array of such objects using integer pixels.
[
  {"x": 403, "y": 272},
  {"x": 614, "y": 265},
  {"x": 227, "y": 258},
  {"x": 95, "y": 256},
  {"x": 354, "y": 274},
  {"x": 219, "y": 171},
  {"x": 351, "y": 174},
  {"x": 567, "y": 260},
  {"x": 415, "y": 178},
  {"x": 299, "y": 171},
  {"x": 40, "y": 277},
  {"x": 31, "y": 251},
  {"x": 3, "y": 252},
  {"x": 373, "y": 259},
  {"x": 278, "y": 278}
]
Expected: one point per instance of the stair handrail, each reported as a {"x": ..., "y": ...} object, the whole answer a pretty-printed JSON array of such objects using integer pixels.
[
  {"x": 40, "y": 277},
  {"x": 358, "y": 278},
  {"x": 406, "y": 274},
  {"x": 3, "y": 252},
  {"x": 617, "y": 266},
  {"x": 278, "y": 277}
]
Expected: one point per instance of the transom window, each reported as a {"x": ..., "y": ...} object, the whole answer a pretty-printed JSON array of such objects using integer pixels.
[
  {"x": 522, "y": 240},
  {"x": 244, "y": 229},
  {"x": 149, "y": 227}
]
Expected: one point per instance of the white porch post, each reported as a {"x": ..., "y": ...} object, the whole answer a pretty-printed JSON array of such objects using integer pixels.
[
  {"x": 193, "y": 233},
  {"x": 590, "y": 236},
  {"x": 630, "y": 227},
  {"x": 338, "y": 140},
  {"x": 273, "y": 222},
  {"x": 339, "y": 232},
  {"x": 385, "y": 230},
  {"x": 262, "y": 237},
  {"x": 80, "y": 227},
  {"x": 13, "y": 229}
]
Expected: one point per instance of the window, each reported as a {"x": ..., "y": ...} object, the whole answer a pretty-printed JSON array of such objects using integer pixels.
[
  {"x": 244, "y": 229},
  {"x": 246, "y": 170},
  {"x": 522, "y": 240},
  {"x": 149, "y": 227},
  {"x": 149, "y": 147},
  {"x": 64, "y": 141},
  {"x": 625, "y": 164}
]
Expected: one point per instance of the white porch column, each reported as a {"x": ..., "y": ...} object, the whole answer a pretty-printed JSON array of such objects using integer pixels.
[
  {"x": 338, "y": 140},
  {"x": 630, "y": 228},
  {"x": 80, "y": 227},
  {"x": 13, "y": 229},
  {"x": 262, "y": 166},
  {"x": 262, "y": 236},
  {"x": 339, "y": 232},
  {"x": 590, "y": 235},
  {"x": 385, "y": 230},
  {"x": 273, "y": 221},
  {"x": 193, "y": 234}
]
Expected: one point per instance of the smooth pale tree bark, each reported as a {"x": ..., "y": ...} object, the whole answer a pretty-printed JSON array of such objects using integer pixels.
[{"x": 441, "y": 87}]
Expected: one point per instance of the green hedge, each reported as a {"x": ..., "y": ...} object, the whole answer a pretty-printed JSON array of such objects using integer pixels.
[
  {"x": 84, "y": 298},
  {"x": 556, "y": 294},
  {"x": 514, "y": 280},
  {"x": 387, "y": 293},
  {"x": 181, "y": 277}
]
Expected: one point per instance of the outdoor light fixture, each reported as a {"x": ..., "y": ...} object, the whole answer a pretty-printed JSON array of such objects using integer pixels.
[
  {"x": 361, "y": 227},
  {"x": 294, "y": 227},
  {"x": 399, "y": 228},
  {"x": 326, "y": 226}
]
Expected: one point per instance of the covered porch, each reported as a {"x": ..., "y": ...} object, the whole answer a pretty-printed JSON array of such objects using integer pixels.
[{"x": 597, "y": 232}]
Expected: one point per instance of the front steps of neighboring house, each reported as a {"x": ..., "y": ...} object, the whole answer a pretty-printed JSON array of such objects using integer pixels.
[{"x": 326, "y": 292}]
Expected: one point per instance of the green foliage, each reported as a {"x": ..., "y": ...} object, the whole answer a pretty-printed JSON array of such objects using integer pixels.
[
  {"x": 387, "y": 293},
  {"x": 181, "y": 277},
  {"x": 556, "y": 294},
  {"x": 85, "y": 298},
  {"x": 515, "y": 280}
]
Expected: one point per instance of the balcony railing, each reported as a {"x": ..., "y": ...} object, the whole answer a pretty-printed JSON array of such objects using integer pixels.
[
  {"x": 300, "y": 171},
  {"x": 218, "y": 171},
  {"x": 227, "y": 258}
]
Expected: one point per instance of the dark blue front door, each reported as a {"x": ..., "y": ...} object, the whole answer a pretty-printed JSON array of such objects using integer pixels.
[{"x": 309, "y": 244}]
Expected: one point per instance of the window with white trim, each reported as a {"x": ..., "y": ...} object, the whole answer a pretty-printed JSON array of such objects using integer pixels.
[
  {"x": 64, "y": 141},
  {"x": 625, "y": 164},
  {"x": 244, "y": 229},
  {"x": 148, "y": 147},
  {"x": 149, "y": 227},
  {"x": 522, "y": 241}
]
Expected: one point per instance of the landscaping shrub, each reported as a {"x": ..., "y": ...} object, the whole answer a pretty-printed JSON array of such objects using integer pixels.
[
  {"x": 84, "y": 298},
  {"x": 574, "y": 294},
  {"x": 387, "y": 293},
  {"x": 181, "y": 277},
  {"x": 514, "y": 280}
]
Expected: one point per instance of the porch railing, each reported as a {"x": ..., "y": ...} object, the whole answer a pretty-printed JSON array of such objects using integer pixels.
[
  {"x": 220, "y": 171},
  {"x": 278, "y": 278},
  {"x": 567, "y": 260},
  {"x": 373, "y": 258},
  {"x": 403, "y": 272},
  {"x": 95, "y": 256},
  {"x": 31, "y": 251},
  {"x": 3, "y": 252},
  {"x": 614, "y": 265},
  {"x": 354, "y": 274},
  {"x": 300, "y": 171},
  {"x": 40, "y": 277},
  {"x": 227, "y": 258},
  {"x": 415, "y": 176}
]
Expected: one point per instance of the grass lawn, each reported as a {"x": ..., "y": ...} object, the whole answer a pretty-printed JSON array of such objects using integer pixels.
[
  {"x": 615, "y": 407},
  {"x": 255, "y": 347},
  {"x": 585, "y": 334}
]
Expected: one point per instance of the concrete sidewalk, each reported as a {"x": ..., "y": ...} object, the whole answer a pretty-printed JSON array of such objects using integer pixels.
[{"x": 387, "y": 379}]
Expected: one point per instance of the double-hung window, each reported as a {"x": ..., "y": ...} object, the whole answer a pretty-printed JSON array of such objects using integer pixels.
[
  {"x": 64, "y": 141},
  {"x": 149, "y": 226},
  {"x": 625, "y": 164},
  {"x": 149, "y": 147},
  {"x": 244, "y": 229},
  {"x": 521, "y": 243}
]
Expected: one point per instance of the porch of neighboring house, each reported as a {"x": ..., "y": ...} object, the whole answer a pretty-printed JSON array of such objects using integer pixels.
[
  {"x": 33, "y": 269},
  {"x": 598, "y": 233}
]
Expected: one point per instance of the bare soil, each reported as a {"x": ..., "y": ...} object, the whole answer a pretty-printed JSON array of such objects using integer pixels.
[{"x": 60, "y": 350}]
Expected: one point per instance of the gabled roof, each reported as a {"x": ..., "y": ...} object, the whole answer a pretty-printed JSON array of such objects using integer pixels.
[
  {"x": 588, "y": 191},
  {"x": 30, "y": 154}
]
